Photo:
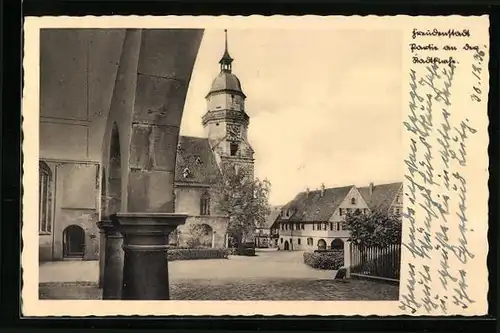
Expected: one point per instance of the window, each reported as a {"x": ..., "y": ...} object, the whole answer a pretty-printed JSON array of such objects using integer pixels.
[
  {"x": 282, "y": 227},
  {"x": 310, "y": 241},
  {"x": 44, "y": 200},
  {"x": 281, "y": 240},
  {"x": 314, "y": 226},
  {"x": 303, "y": 226},
  {"x": 353, "y": 201},
  {"x": 397, "y": 211},
  {"x": 325, "y": 225},
  {"x": 205, "y": 204},
  {"x": 298, "y": 241},
  {"x": 338, "y": 226},
  {"x": 234, "y": 148},
  {"x": 340, "y": 211},
  {"x": 331, "y": 225}
]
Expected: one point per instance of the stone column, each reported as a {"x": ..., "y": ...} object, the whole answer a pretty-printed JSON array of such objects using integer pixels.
[
  {"x": 102, "y": 250},
  {"x": 145, "y": 242},
  {"x": 113, "y": 262}
]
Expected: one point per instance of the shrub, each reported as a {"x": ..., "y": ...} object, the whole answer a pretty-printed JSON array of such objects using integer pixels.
[
  {"x": 242, "y": 251},
  {"x": 196, "y": 254},
  {"x": 324, "y": 260},
  {"x": 245, "y": 249}
]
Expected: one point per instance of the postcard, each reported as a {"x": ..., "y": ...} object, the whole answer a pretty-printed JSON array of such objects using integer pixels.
[{"x": 281, "y": 165}]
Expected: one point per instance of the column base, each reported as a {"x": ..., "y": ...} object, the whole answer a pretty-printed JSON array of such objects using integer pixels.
[{"x": 145, "y": 243}]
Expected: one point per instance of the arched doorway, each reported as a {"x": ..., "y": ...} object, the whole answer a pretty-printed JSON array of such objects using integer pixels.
[
  {"x": 287, "y": 246},
  {"x": 73, "y": 242},
  {"x": 202, "y": 235},
  {"x": 337, "y": 244},
  {"x": 321, "y": 244},
  {"x": 206, "y": 235},
  {"x": 114, "y": 188}
]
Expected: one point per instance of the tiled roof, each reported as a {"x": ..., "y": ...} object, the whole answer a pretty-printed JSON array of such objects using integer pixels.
[
  {"x": 382, "y": 197},
  {"x": 314, "y": 207},
  {"x": 271, "y": 218},
  {"x": 195, "y": 156}
]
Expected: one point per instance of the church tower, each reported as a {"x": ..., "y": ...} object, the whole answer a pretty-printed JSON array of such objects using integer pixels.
[{"x": 226, "y": 122}]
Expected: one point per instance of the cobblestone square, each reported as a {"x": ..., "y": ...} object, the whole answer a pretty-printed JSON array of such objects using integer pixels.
[{"x": 272, "y": 275}]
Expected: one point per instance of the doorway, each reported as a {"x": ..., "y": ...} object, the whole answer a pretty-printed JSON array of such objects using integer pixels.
[
  {"x": 73, "y": 242},
  {"x": 287, "y": 246}
]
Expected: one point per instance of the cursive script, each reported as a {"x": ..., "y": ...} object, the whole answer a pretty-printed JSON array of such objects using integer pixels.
[{"x": 436, "y": 217}]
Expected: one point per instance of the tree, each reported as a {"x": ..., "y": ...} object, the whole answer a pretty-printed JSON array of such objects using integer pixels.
[
  {"x": 374, "y": 229},
  {"x": 244, "y": 199}
]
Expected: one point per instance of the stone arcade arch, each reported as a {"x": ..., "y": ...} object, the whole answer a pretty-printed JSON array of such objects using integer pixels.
[
  {"x": 146, "y": 109},
  {"x": 321, "y": 244},
  {"x": 114, "y": 180}
]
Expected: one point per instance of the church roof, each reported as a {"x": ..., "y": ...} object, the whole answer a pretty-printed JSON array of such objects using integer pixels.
[
  {"x": 195, "y": 155},
  {"x": 313, "y": 207},
  {"x": 382, "y": 196},
  {"x": 226, "y": 81}
]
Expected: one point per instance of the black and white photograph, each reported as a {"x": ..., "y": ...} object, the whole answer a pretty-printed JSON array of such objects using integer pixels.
[{"x": 233, "y": 163}]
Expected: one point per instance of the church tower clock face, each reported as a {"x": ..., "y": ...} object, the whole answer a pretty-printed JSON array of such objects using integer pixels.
[{"x": 234, "y": 132}]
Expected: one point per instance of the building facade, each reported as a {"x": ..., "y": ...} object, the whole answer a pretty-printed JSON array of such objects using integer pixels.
[
  {"x": 267, "y": 235},
  {"x": 314, "y": 219}
]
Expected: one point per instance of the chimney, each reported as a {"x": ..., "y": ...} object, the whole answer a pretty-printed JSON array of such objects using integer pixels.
[
  {"x": 307, "y": 192},
  {"x": 371, "y": 189},
  {"x": 322, "y": 189}
]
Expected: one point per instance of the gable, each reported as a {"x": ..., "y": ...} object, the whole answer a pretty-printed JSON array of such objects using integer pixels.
[{"x": 347, "y": 203}]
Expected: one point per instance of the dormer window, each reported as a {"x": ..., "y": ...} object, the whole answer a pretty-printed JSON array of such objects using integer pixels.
[
  {"x": 353, "y": 201},
  {"x": 198, "y": 160},
  {"x": 186, "y": 173}
]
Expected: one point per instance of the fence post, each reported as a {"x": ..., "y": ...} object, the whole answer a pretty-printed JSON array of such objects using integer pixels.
[{"x": 347, "y": 258}]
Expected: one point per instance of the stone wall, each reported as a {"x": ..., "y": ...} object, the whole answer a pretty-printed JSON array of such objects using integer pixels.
[
  {"x": 218, "y": 224},
  {"x": 75, "y": 193}
]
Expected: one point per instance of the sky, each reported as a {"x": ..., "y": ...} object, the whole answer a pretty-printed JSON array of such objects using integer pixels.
[{"x": 324, "y": 105}]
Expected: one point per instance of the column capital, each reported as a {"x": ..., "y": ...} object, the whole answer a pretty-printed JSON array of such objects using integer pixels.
[
  {"x": 104, "y": 224},
  {"x": 108, "y": 228},
  {"x": 147, "y": 224}
]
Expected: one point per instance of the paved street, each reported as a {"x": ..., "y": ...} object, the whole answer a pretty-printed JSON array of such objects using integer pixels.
[{"x": 272, "y": 275}]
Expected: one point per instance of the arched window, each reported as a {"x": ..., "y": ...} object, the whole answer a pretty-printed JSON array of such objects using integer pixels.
[
  {"x": 44, "y": 199},
  {"x": 205, "y": 204},
  {"x": 353, "y": 201}
]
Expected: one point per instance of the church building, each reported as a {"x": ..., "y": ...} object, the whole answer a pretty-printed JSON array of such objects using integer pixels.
[{"x": 199, "y": 160}]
